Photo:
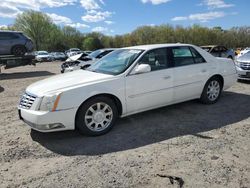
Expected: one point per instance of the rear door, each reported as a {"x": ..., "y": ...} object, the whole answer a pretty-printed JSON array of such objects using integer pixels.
[
  {"x": 190, "y": 72},
  {"x": 151, "y": 89}
]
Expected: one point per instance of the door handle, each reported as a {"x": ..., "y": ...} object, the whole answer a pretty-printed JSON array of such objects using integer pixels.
[{"x": 166, "y": 77}]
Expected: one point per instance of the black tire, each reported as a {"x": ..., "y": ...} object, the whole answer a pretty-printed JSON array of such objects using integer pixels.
[
  {"x": 83, "y": 113},
  {"x": 19, "y": 50},
  {"x": 206, "y": 97}
]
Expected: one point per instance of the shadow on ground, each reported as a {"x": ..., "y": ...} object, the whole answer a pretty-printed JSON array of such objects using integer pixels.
[
  {"x": 19, "y": 75},
  {"x": 1, "y": 89},
  {"x": 244, "y": 81},
  {"x": 189, "y": 118}
]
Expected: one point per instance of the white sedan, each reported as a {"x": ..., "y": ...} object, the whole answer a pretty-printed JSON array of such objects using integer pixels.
[{"x": 125, "y": 82}]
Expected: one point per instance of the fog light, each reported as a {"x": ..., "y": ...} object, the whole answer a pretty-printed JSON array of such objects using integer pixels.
[
  {"x": 49, "y": 126},
  {"x": 56, "y": 126}
]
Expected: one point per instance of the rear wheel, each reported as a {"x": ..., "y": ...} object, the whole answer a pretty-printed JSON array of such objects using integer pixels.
[
  {"x": 19, "y": 50},
  {"x": 96, "y": 116},
  {"x": 212, "y": 91}
]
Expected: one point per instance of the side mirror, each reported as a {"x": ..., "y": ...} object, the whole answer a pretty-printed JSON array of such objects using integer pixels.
[{"x": 142, "y": 68}]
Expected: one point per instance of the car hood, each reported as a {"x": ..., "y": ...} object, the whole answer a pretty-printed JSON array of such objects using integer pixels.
[
  {"x": 243, "y": 59},
  {"x": 65, "y": 81},
  {"x": 73, "y": 58}
]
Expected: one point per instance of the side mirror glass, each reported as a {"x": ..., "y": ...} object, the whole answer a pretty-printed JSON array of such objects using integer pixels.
[{"x": 142, "y": 68}]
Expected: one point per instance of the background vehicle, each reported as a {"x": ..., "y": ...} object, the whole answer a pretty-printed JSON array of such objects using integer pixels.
[
  {"x": 58, "y": 56},
  {"x": 83, "y": 60},
  {"x": 14, "y": 43},
  {"x": 242, "y": 52},
  {"x": 219, "y": 51},
  {"x": 43, "y": 56},
  {"x": 88, "y": 52},
  {"x": 125, "y": 82},
  {"x": 72, "y": 51},
  {"x": 243, "y": 66}
]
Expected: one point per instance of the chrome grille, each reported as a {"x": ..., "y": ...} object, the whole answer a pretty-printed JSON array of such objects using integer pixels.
[
  {"x": 26, "y": 101},
  {"x": 245, "y": 65}
]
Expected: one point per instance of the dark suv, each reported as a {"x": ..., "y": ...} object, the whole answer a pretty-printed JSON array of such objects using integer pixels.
[{"x": 15, "y": 43}]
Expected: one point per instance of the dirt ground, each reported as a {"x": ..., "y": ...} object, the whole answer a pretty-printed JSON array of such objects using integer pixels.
[{"x": 203, "y": 145}]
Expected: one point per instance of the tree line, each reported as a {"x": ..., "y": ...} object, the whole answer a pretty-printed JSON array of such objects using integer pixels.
[{"x": 48, "y": 36}]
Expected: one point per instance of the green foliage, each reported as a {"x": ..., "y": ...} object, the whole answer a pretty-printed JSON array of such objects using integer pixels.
[
  {"x": 93, "y": 41},
  {"x": 47, "y": 36},
  {"x": 36, "y": 25}
]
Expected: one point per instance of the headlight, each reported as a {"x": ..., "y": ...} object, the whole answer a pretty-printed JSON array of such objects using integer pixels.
[
  {"x": 50, "y": 103},
  {"x": 237, "y": 63}
]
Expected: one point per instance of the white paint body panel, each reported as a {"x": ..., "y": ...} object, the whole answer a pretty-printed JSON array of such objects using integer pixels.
[{"x": 136, "y": 93}]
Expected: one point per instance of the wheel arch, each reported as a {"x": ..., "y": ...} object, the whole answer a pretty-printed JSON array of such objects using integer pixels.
[
  {"x": 18, "y": 45},
  {"x": 116, "y": 100},
  {"x": 220, "y": 77}
]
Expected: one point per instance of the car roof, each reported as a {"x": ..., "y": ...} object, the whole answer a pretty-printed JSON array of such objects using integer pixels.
[
  {"x": 108, "y": 49},
  {"x": 209, "y": 46},
  {"x": 153, "y": 46},
  {"x": 8, "y": 31}
]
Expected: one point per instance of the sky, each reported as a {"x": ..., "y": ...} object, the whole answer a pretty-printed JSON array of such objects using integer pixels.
[{"x": 114, "y": 17}]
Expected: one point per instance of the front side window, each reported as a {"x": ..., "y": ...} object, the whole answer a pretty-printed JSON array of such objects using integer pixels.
[
  {"x": 7, "y": 36},
  {"x": 157, "y": 59},
  {"x": 116, "y": 62}
]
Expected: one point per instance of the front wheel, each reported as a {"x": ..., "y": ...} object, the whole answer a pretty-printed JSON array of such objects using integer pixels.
[
  {"x": 212, "y": 91},
  {"x": 96, "y": 116}
]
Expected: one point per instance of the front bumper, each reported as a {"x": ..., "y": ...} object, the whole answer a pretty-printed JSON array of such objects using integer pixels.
[
  {"x": 49, "y": 121},
  {"x": 243, "y": 74}
]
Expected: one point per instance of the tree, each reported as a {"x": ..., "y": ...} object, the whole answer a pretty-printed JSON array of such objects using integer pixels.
[
  {"x": 91, "y": 43},
  {"x": 36, "y": 25}
]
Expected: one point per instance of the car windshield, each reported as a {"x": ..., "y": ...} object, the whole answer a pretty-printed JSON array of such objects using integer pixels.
[
  {"x": 95, "y": 53},
  {"x": 116, "y": 62}
]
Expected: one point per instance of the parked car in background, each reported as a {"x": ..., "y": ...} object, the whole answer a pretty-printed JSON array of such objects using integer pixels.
[
  {"x": 243, "y": 66},
  {"x": 72, "y": 51},
  {"x": 14, "y": 43},
  {"x": 88, "y": 52},
  {"x": 219, "y": 51},
  {"x": 58, "y": 56},
  {"x": 127, "y": 81},
  {"x": 83, "y": 60},
  {"x": 242, "y": 52},
  {"x": 41, "y": 56}
]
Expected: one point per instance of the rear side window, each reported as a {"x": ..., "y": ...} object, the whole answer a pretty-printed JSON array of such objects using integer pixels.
[
  {"x": 8, "y": 36},
  {"x": 182, "y": 56},
  {"x": 157, "y": 59},
  {"x": 197, "y": 56}
]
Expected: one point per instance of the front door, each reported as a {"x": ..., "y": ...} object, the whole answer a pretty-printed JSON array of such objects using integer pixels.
[{"x": 151, "y": 89}]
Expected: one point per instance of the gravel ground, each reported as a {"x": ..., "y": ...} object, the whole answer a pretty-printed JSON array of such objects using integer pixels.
[{"x": 183, "y": 145}]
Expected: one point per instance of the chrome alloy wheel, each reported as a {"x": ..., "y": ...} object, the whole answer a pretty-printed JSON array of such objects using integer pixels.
[
  {"x": 213, "y": 90},
  {"x": 98, "y": 116}
]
